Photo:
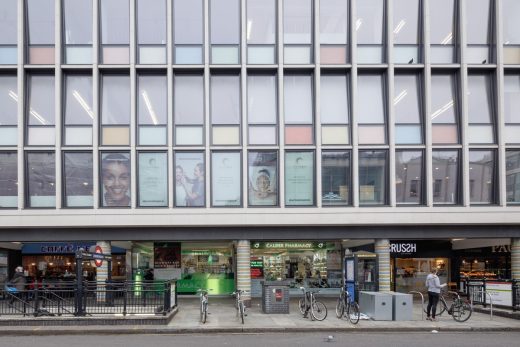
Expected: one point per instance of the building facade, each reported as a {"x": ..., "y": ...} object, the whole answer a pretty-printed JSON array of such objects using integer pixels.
[{"x": 223, "y": 142}]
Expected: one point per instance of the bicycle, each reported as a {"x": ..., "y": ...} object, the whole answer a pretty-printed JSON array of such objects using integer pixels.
[
  {"x": 239, "y": 304},
  {"x": 347, "y": 305},
  {"x": 309, "y": 303},
  {"x": 203, "y": 305},
  {"x": 460, "y": 310}
]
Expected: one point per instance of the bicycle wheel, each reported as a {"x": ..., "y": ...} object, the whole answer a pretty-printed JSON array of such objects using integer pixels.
[
  {"x": 241, "y": 308},
  {"x": 318, "y": 310},
  {"x": 301, "y": 306},
  {"x": 441, "y": 308},
  {"x": 461, "y": 311},
  {"x": 353, "y": 313},
  {"x": 340, "y": 308}
]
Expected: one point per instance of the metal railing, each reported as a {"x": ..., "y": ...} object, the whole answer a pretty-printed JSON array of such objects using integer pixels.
[
  {"x": 484, "y": 294},
  {"x": 422, "y": 302},
  {"x": 515, "y": 288}
]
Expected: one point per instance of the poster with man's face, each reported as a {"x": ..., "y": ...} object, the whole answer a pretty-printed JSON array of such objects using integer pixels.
[
  {"x": 263, "y": 179},
  {"x": 115, "y": 179}
]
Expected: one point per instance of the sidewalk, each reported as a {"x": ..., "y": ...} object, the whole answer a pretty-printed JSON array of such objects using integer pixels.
[{"x": 223, "y": 319}]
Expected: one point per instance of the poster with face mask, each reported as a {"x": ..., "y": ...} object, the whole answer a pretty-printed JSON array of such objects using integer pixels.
[
  {"x": 299, "y": 178},
  {"x": 115, "y": 179},
  {"x": 225, "y": 179},
  {"x": 153, "y": 179},
  {"x": 263, "y": 182}
]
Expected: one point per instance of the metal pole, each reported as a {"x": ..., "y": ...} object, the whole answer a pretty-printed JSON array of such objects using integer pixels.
[
  {"x": 422, "y": 302},
  {"x": 79, "y": 283}
]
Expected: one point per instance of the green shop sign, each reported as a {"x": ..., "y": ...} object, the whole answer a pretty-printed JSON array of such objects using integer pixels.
[{"x": 289, "y": 245}]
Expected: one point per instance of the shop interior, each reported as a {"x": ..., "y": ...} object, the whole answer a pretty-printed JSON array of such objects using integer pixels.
[{"x": 410, "y": 273}]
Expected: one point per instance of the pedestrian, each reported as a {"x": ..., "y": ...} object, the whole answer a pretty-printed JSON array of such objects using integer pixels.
[
  {"x": 434, "y": 289},
  {"x": 18, "y": 282}
]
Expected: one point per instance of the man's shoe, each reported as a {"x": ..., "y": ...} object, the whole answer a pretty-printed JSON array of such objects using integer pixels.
[{"x": 428, "y": 318}]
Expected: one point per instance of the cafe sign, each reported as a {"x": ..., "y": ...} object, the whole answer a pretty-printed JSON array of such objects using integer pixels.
[
  {"x": 407, "y": 248},
  {"x": 288, "y": 245}
]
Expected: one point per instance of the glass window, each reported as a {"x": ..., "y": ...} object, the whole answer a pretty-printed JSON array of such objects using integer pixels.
[
  {"x": 225, "y": 99},
  {"x": 77, "y": 32},
  {"x": 151, "y": 31},
  {"x": 188, "y": 108},
  {"x": 40, "y": 30},
  {"x": 261, "y": 31},
  {"x": 115, "y": 179},
  {"x": 225, "y": 31},
  {"x": 8, "y": 180},
  {"x": 371, "y": 109},
  {"x": 479, "y": 29},
  {"x": 188, "y": 31},
  {"x": 335, "y": 99},
  {"x": 511, "y": 33},
  {"x": 41, "y": 179},
  {"x": 409, "y": 177},
  {"x": 481, "y": 106},
  {"x": 446, "y": 172},
  {"x": 298, "y": 99},
  {"x": 115, "y": 110},
  {"x": 261, "y": 99},
  {"x": 335, "y": 178},
  {"x": 299, "y": 178},
  {"x": 40, "y": 110},
  {"x": 79, "y": 114},
  {"x": 8, "y": 100},
  {"x": 370, "y": 31},
  {"x": 408, "y": 109},
  {"x": 153, "y": 179},
  {"x": 226, "y": 179},
  {"x": 513, "y": 176},
  {"x": 407, "y": 31},
  {"x": 482, "y": 173},
  {"x": 443, "y": 34},
  {"x": 190, "y": 179},
  {"x": 115, "y": 31},
  {"x": 511, "y": 107},
  {"x": 373, "y": 177},
  {"x": 297, "y": 31},
  {"x": 8, "y": 32},
  {"x": 334, "y": 15},
  {"x": 444, "y": 108},
  {"x": 152, "y": 109},
  {"x": 262, "y": 185},
  {"x": 78, "y": 184}
]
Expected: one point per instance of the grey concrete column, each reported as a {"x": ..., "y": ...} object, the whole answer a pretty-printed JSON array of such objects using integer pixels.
[
  {"x": 102, "y": 271},
  {"x": 515, "y": 258},
  {"x": 382, "y": 248},
  {"x": 244, "y": 269}
]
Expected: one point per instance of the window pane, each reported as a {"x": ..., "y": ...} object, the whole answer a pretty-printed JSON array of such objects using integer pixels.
[
  {"x": 297, "y": 21},
  {"x": 482, "y": 177},
  {"x": 153, "y": 179},
  {"x": 299, "y": 178},
  {"x": 512, "y": 98},
  {"x": 335, "y": 99},
  {"x": 152, "y": 100},
  {"x": 151, "y": 22},
  {"x": 334, "y": 21},
  {"x": 190, "y": 179},
  {"x": 224, "y": 22},
  {"x": 78, "y": 188},
  {"x": 226, "y": 179},
  {"x": 188, "y": 22},
  {"x": 8, "y": 100},
  {"x": 406, "y": 22},
  {"x": 298, "y": 99},
  {"x": 261, "y": 99},
  {"x": 480, "y": 99},
  {"x": 513, "y": 176},
  {"x": 40, "y": 15},
  {"x": 261, "y": 21},
  {"x": 409, "y": 177},
  {"x": 479, "y": 22},
  {"x": 41, "y": 179},
  {"x": 443, "y": 34},
  {"x": 371, "y": 104},
  {"x": 188, "y": 94},
  {"x": 407, "y": 99},
  {"x": 373, "y": 177},
  {"x": 263, "y": 178},
  {"x": 78, "y": 22},
  {"x": 335, "y": 178},
  {"x": 8, "y": 179},
  {"x": 41, "y": 100},
  {"x": 444, "y": 101},
  {"x": 445, "y": 169},
  {"x": 115, "y": 179},
  {"x": 9, "y": 22},
  {"x": 115, "y": 100},
  {"x": 511, "y": 13},
  {"x": 369, "y": 22},
  {"x": 115, "y": 22},
  {"x": 78, "y": 100},
  {"x": 225, "y": 99}
]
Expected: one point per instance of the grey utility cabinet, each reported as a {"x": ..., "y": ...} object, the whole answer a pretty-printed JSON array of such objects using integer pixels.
[
  {"x": 377, "y": 306},
  {"x": 402, "y": 306},
  {"x": 275, "y": 297}
]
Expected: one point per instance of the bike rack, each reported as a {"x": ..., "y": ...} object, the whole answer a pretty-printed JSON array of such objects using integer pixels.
[
  {"x": 422, "y": 302},
  {"x": 490, "y": 302}
]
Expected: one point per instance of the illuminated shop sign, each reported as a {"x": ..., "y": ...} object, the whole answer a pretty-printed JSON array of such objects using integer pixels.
[
  {"x": 288, "y": 245},
  {"x": 403, "y": 248}
]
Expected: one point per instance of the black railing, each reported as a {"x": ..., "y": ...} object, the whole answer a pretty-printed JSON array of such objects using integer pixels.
[
  {"x": 516, "y": 295},
  {"x": 91, "y": 298}
]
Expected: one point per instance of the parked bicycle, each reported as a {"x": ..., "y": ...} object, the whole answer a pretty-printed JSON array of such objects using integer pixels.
[
  {"x": 239, "y": 304},
  {"x": 346, "y": 306},
  {"x": 460, "y": 310},
  {"x": 308, "y": 302},
  {"x": 203, "y": 305}
]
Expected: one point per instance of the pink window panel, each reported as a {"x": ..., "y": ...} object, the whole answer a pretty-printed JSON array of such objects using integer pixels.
[
  {"x": 41, "y": 55},
  {"x": 298, "y": 135},
  {"x": 444, "y": 133},
  {"x": 333, "y": 54}
]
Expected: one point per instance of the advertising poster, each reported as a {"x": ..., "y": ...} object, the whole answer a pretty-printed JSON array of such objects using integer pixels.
[
  {"x": 115, "y": 179},
  {"x": 153, "y": 179},
  {"x": 299, "y": 178},
  {"x": 257, "y": 267},
  {"x": 225, "y": 182},
  {"x": 500, "y": 292},
  {"x": 263, "y": 179},
  {"x": 190, "y": 179},
  {"x": 167, "y": 260}
]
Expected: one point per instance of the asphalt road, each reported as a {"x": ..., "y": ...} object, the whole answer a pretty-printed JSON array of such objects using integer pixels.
[{"x": 467, "y": 339}]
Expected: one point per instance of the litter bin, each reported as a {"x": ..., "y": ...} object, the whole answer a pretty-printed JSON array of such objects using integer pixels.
[
  {"x": 275, "y": 297},
  {"x": 402, "y": 306},
  {"x": 376, "y": 305}
]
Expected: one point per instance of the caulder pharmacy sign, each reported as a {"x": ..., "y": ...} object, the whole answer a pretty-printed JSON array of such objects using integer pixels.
[{"x": 288, "y": 245}]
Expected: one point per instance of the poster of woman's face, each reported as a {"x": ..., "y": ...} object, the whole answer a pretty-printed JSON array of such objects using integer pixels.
[
  {"x": 115, "y": 179},
  {"x": 262, "y": 187},
  {"x": 190, "y": 179}
]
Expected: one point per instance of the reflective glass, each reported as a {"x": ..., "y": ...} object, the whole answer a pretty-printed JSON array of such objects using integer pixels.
[
  {"x": 41, "y": 179},
  {"x": 40, "y": 16},
  {"x": 8, "y": 100},
  {"x": 444, "y": 103},
  {"x": 41, "y": 100},
  {"x": 77, "y": 22},
  {"x": 298, "y": 99},
  {"x": 152, "y": 100},
  {"x": 151, "y": 22},
  {"x": 446, "y": 172},
  {"x": 9, "y": 22},
  {"x": 334, "y": 16},
  {"x": 78, "y": 100},
  {"x": 115, "y": 100},
  {"x": 479, "y": 30},
  {"x": 188, "y": 96},
  {"x": 262, "y": 107},
  {"x": 409, "y": 177},
  {"x": 261, "y": 21},
  {"x": 373, "y": 177},
  {"x": 511, "y": 13},
  {"x": 8, "y": 180},
  {"x": 370, "y": 22},
  {"x": 513, "y": 176},
  {"x": 225, "y": 99},
  {"x": 407, "y": 99},
  {"x": 115, "y": 22},
  {"x": 511, "y": 98},
  {"x": 188, "y": 22},
  {"x": 482, "y": 176},
  {"x": 480, "y": 103},
  {"x": 335, "y": 99},
  {"x": 335, "y": 178},
  {"x": 224, "y": 22},
  {"x": 443, "y": 34},
  {"x": 297, "y": 21},
  {"x": 371, "y": 104},
  {"x": 78, "y": 183}
]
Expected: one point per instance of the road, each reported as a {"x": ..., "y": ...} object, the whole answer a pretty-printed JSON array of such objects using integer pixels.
[{"x": 467, "y": 339}]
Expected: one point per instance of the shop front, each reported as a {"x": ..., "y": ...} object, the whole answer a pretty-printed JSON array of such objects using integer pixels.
[
  {"x": 412, "y": 261},
  {"x": 311, "y": 264}
]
